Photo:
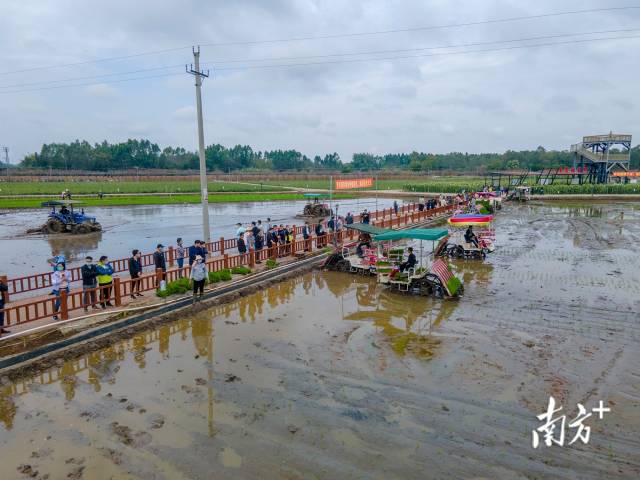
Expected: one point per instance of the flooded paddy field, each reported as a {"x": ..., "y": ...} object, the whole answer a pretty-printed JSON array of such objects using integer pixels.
[
  {"x": 331, "y": 376},
  {"x": 142, "y": 227}
]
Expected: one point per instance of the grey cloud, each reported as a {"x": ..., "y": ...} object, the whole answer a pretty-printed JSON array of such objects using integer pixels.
[{"x": 488, "y": 101}]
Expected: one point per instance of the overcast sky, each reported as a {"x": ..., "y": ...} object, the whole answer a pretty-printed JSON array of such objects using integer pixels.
[{"x": 480, "y": 102}]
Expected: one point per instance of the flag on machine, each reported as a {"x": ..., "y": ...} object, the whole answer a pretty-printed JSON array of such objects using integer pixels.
[{"x": 449, "y": 280}]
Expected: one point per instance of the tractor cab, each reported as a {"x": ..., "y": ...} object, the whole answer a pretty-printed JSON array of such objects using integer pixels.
[{"x": 65, "y": 217}]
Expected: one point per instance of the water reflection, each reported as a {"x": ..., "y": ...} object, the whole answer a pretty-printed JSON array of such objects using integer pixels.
[
  {"x": 474, "y": 272},
  {"x": 405, "y": 322},
  {"x": 74, "y": 247}
]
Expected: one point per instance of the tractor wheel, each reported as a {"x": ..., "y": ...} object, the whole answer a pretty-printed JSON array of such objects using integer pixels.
[
  {"x": 344, "y": 266},
  {"x": 81, "y": 229},
  {"x": 459, "y": 251},
  {"x": 435, "y": 285},
  {"x": 54, "y": 225},
  {"x": 96, "y": 227}
]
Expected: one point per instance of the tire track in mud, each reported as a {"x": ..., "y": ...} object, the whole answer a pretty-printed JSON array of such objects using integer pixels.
[
  {"x": 572, "y": 280},
  {"x": 377, "y": 411},
  {"x": 557, "y": 254},
  {"x": 529, "y": 321}
]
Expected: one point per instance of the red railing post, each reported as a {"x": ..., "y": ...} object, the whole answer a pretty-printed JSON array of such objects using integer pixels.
[
  {"x": 171, "y": 254},
  {"x": 64, "y": 308},
  {"x": 252, "y": 258},
  {"x": 293, "y": 246},
  {"x": 225, "y": 261},
  {"x": 221, "y": 245},
  {"x": 117, "y": 292}
]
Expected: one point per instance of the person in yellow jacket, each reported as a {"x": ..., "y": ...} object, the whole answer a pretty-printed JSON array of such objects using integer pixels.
[{"x": 105, "y": 280}]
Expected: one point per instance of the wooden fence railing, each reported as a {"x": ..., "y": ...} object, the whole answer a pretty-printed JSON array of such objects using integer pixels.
[
  {"x": 37, "y": 309},
  {"x": 42, "y": 281}
]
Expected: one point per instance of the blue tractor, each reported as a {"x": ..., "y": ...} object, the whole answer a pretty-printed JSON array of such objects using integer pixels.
[{"x": 63, "y": 218}]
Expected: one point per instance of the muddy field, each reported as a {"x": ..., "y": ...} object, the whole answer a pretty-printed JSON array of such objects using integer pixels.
[{"x": 330, "y": 376}]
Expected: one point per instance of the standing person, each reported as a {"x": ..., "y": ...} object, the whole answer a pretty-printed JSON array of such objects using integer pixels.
[
  {"x": 395, "y": 207},
  {"x": 193, "y": 251},
  {"x": 282, "y": 233},
  {"x": 89, "y": 274},
  {"x": 202, "y": 251},
  {"x": 60, "y": 281},
  {"x": 255, "y": 230},
  {"x": 160, "y": 262},
  {"x": 242, "y": 246},
  {"x": 248, "y": 240},
  {"x": 288, "y": 234},
  {"x": 4, "y": 289},
  {"x": 259, "y": 242},
  {"x": 135, "y": 270},
  {"x": 275, "y": 239},
  {"x": 269, "y": 237},
  {"x": 331, "y": 224},
  {"x": 240, "y": 230},
  {"x": 105, "y": 280},
  {"x": 306, "y": 233},
  {"x": 319, "y": 235},
  {"x": 198, "y": 275},
  {"x": 252, "y": 236},
  {"x": 349, "y": 219},
  {"x": 180, "y": 254}
]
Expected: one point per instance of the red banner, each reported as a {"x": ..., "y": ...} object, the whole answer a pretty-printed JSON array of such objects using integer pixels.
[
  {"x": 626, "y": 174},
  {"x": 351, "y": 183}
]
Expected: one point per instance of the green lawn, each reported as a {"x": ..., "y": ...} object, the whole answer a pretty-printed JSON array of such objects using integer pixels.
[
  {"x": 161, "y": 199},
  {"x": 143, "y": 186}
]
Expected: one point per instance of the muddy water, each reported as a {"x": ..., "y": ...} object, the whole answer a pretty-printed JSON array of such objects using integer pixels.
[
  {"x": 141, "y": 227},
  {"x": 330, "y": 376}
]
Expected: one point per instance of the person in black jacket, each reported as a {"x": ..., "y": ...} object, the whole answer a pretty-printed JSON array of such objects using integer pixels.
[
  {"x": 160, "y": 261},
  {"x": 193, "y": 251},
  {"x": 411, "y": 261},
  {"x": 89, "y": 274},
  {"x": 202, "y": 250},
  {"x": 3, "y": 292},
  {"x": 135, "y": 270}
]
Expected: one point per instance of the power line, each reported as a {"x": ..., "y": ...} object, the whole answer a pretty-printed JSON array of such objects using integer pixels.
[
  {"x": 73, "y": 79},
  {"x": 98, "y": 60},
  {"x": 401, "y": 57},
  {"x": 417, "y": 49},
  {"x": 429, "y": 27},
  {"x": 92, "y": 83},
  {"x": 330, "y": 36},
  {"x": 345, "y": 61},
  {"x": 371, "y": 52}
]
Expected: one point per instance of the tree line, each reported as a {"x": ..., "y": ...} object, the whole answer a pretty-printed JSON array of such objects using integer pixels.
[{"x": 81, "y": 155}]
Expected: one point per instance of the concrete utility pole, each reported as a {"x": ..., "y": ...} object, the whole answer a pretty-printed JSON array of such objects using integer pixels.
[
  {"x": 6, "y": 158},
  {"x": 204, "y": 193}
]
